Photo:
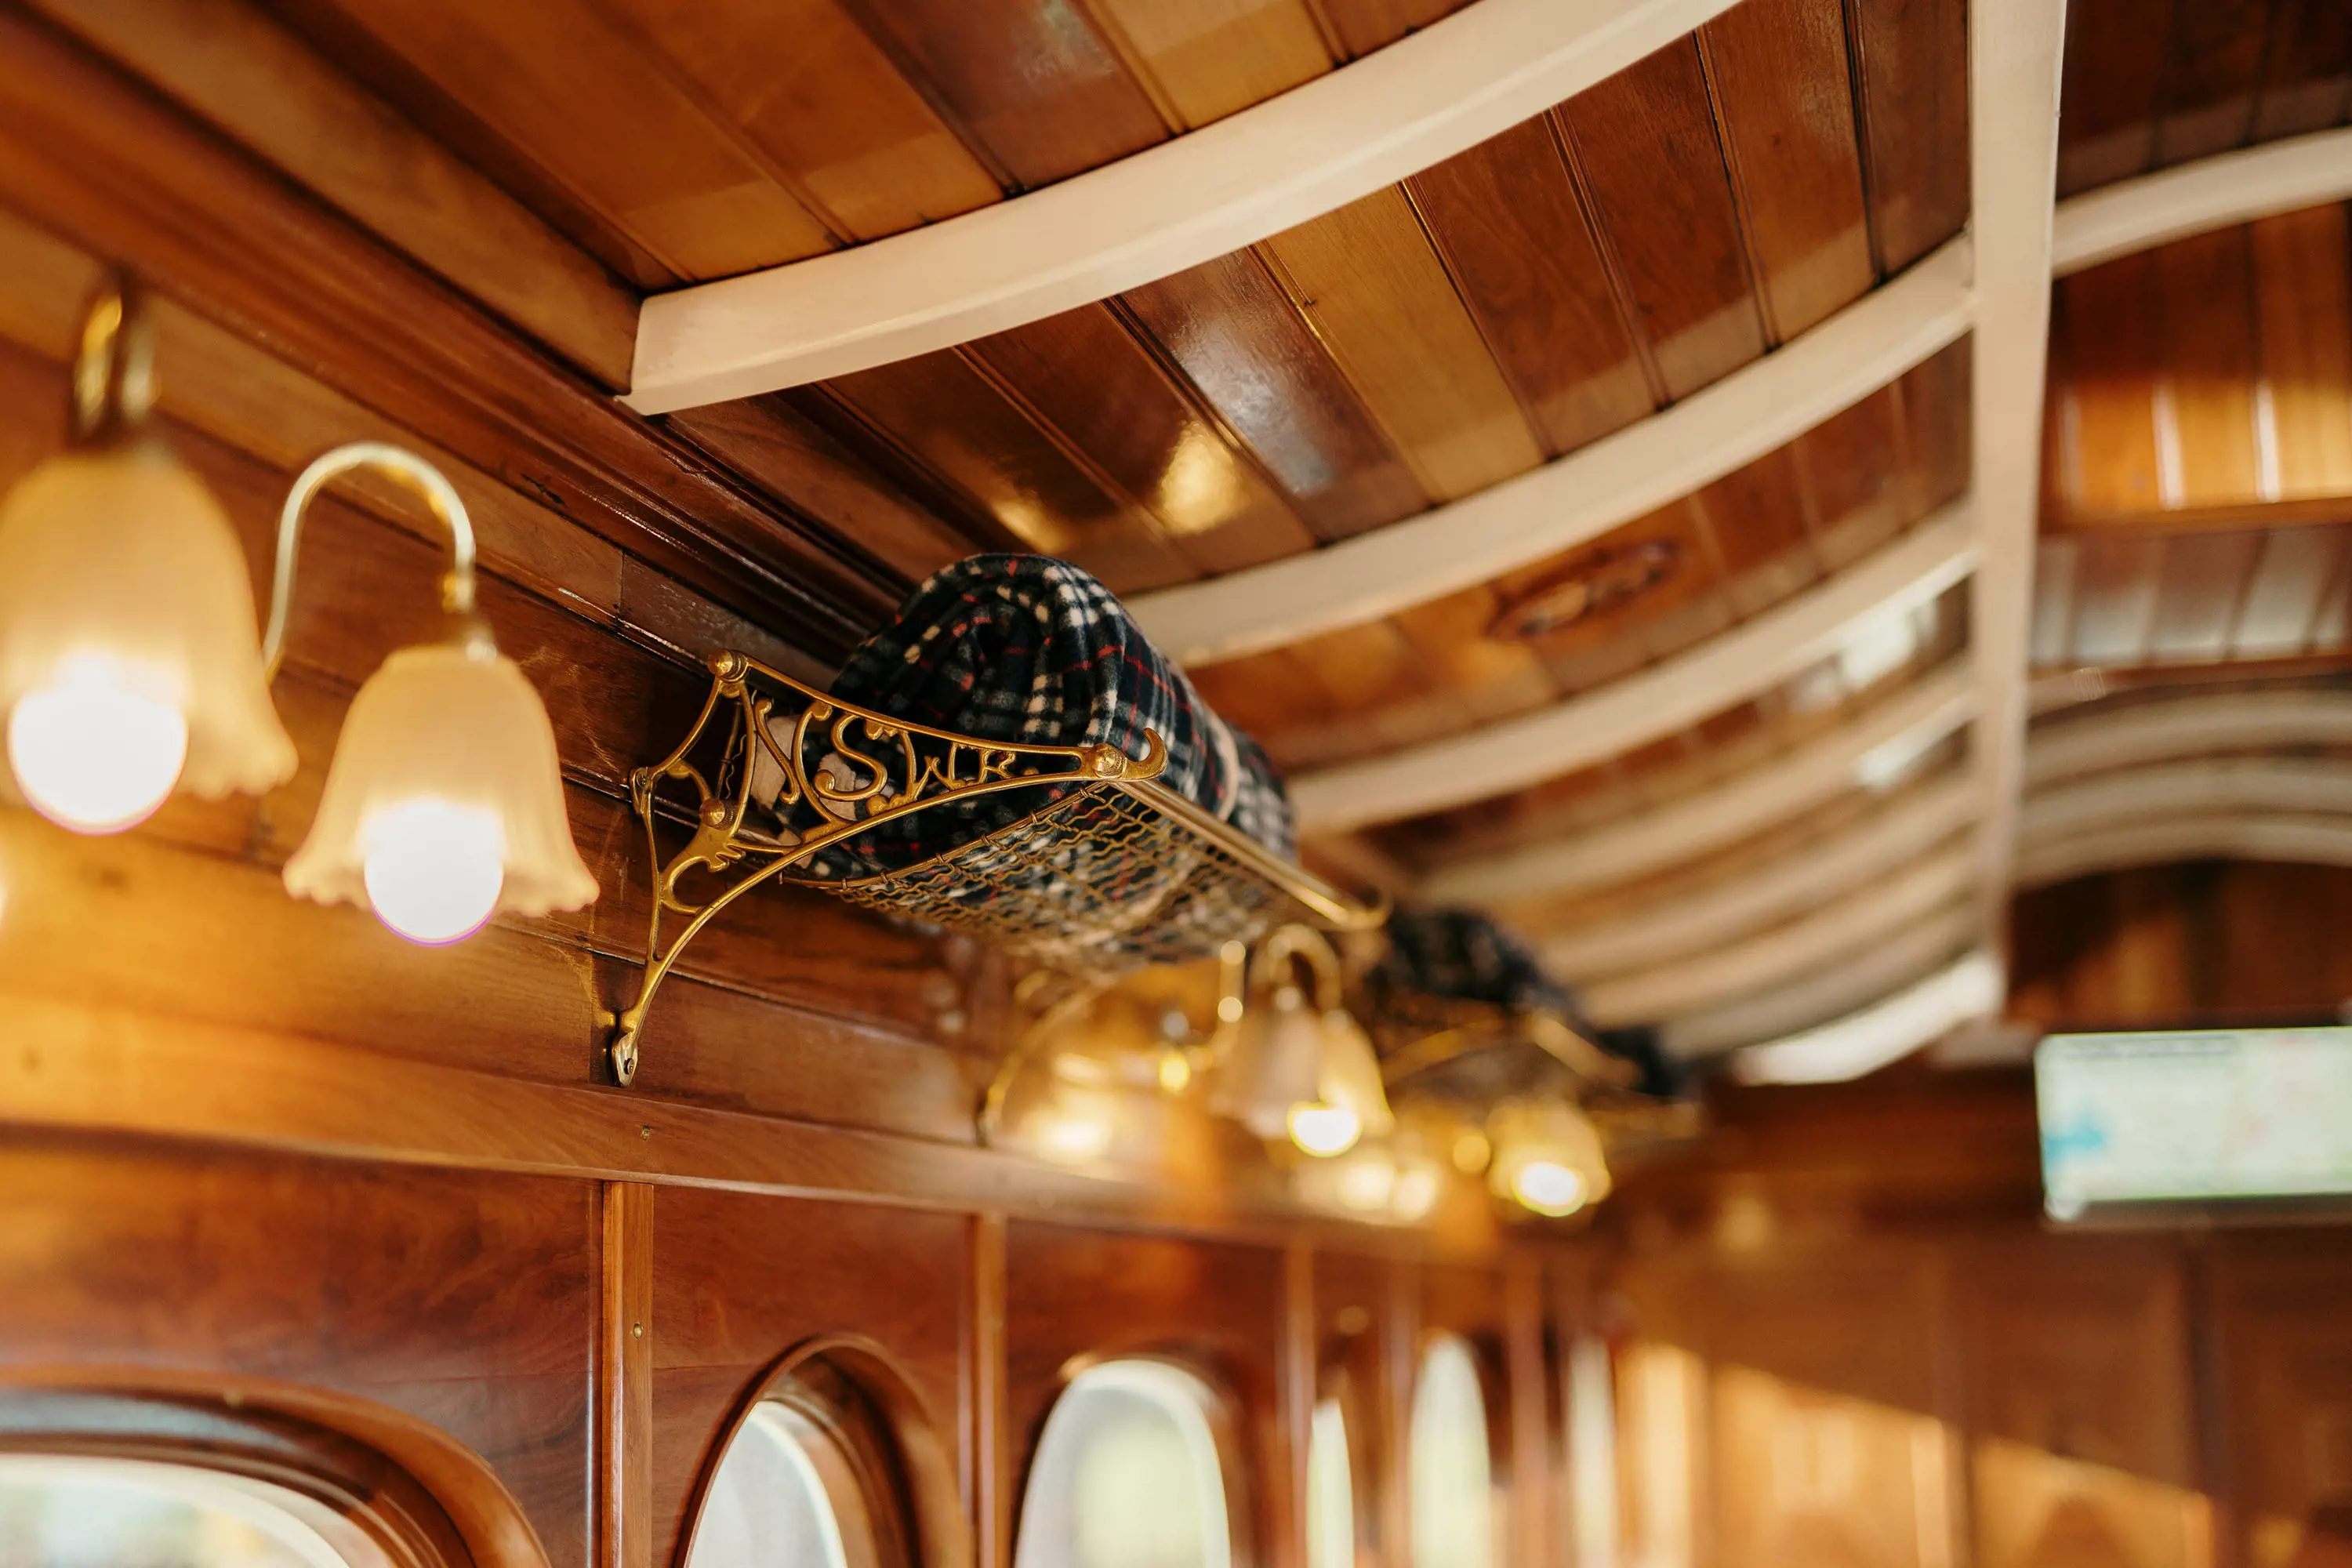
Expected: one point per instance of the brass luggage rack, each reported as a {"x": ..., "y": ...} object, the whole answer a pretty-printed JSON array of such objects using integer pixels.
[{"x": 1111, "y": 871}]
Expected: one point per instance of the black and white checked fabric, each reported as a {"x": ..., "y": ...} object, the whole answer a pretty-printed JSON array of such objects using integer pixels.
[
  {"x": 1027, "y": 648},
  {"x": 1463, "y": 956}
]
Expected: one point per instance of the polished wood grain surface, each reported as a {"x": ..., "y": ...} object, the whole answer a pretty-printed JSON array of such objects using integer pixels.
[
  {"x": 1205, "y": 58},
  {"x": 623, "y": 1378},
  {"x": 1911, "y": 73}
]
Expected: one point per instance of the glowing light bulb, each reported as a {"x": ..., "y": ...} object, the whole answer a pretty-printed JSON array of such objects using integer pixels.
[
  {"x": 1071, "y": 1136},
  {"x": 1175, "y": 1071},
  {"x": 1549, "y": 1188},
  {"x": 99, "y": 748},
  {"x": 1323, "y": 1131},
  {"x": 433, "y": 868}
]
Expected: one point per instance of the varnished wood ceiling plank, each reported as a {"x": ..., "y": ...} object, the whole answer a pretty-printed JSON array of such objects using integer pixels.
[
  {"x": 1030, "y": 80},
  {"x": 1646, "y": 143},
  {"x": 1364, "y": 25},
  {"x": 1212, "y": 58},
  {"x": 231, "y": 64},
  {"x": 2206, "y": 579},
  {"x": 2112, "y": 461},
  {"x": 1382, "y": 303},
  {"x": 1911, "y": 71},
  {"x": 2302, "y": 296},
  {"x": 2206, "y": 300},
  {"x": 2286, "y": 589},
  {"x": 1778, "y": 72},
  {"x": 582, "y": 99},
  {"x": 1755, "y": 519},
  {"x": 2307, "y": 77},
  {"x": 806, "y": 84},
  {"x": 1506, "y": 218},
  {"x": 1243, "y": 344},
  {"x": 2213, "y": 73},
  {"x": 2114, "y": 69}
]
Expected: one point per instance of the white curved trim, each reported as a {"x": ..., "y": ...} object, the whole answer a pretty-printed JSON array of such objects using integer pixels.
[
  {"x": 1579, "y": 497},
  {"x": 1885, "y": 1031},
  {"x": 2209, "y": 787},
  {"x": 2188, "y": 725},
  {"x": 1805, "y": 877},
  {"x": 1668, "y": 696},
  {"x": 1833, "y": 931},
  {"x": 1819, "y": 771},
  {"x": 2303, "y": 841},
  {"x": 1895, "y": 960},
  {"x": 1321, "y": 145},
  {"x": 2218, "y": 191}
]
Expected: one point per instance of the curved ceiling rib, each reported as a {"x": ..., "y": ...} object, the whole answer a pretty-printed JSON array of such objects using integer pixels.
[
  {"x": 1579, "y": 496},
  {"x": 2186, "y": 726},
  {"x": 1819, "y": 770},
  {"x": 1887, "y": 1031},
  {"x": 1673, "y": 928},
  {"x": 1254, "y": 174},
  {"x": 2213, "y": 787},
  {"x": 1893, "y": 960},
  {"x": 2218, "y": 191},
  {"x": 1764, "y": 960},
  {"x": 2306, "y": 841},
  {"x": 1640, "y": 708}
]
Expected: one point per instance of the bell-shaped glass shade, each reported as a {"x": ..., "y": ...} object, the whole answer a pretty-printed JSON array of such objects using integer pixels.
[
  {"x": 445, "y": 803},
  {"x": 1275, "y": 1063},
  {"x": 129, "y": 659},
  {"x": 1548, "y": 1157},
  {"x": 1350, "y": 1076}
]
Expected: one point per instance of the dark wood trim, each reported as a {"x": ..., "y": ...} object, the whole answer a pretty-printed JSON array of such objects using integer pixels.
[
  {"x": 990, "y": 1465},
  {"x": 625, "y": 1368},
  {"x": 2305, "y": 512},
  {"x": 95, "y": 158}
]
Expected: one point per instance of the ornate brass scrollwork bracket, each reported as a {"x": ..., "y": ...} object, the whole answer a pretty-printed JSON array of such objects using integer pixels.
[{"x": 837, "y": 769}]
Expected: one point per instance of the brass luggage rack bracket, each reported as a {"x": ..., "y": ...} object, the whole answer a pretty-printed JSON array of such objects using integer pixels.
[{"x": 1114, "y": 871}]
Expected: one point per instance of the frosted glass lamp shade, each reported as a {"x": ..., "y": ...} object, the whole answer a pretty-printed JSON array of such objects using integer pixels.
[
  {"x": 1350, "y": 1078},
  {"x": 1547, "y": 1156},
  {"x": 445, "y": 803},
  {"x": 128, "y": 658},
  {"x": 1275, "y": 1062}
]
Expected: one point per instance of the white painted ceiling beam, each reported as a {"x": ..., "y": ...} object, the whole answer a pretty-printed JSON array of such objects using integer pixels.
[
  {"x": 2169, "y": 791},
  {"x": 2014, "y": 47},
  {"x": 1894, "y": 960},
  {"x": 1880, "y": 1035},
  {"x": 2301, "y": 840},
  {"x": 1823, "y": 769},
  {"x": 1809, "y": 875},
  {"x": 2218, "y": 191},
  {"x": 1296, "y": 156},
  {"x": 2188, "y": 725},
  {"x": 1772, "y": 957},
  {"x": 1669, "y": 696},
  {"x": 1579, "y": 496}
]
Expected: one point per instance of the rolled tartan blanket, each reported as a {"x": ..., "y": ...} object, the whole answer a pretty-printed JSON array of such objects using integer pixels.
[
  {"x": 1463, "y": 956},
  {"x": 1029, "y": 649}
]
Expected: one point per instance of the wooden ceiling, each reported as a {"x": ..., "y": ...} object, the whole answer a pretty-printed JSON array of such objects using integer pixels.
[{"x": 1784, "y": 844}]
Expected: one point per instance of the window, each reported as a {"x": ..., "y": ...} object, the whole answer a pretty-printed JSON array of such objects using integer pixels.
[
  {"x": 1330, "y": 1491},
  {"x": 1452, "y": 1472},
  {"x": 85, "y": 1513},
  {"x": 1128, "y": 1475},
  {"x": 786, "y": 1495}
]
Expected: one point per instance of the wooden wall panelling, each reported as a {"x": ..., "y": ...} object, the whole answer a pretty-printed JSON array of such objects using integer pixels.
[
  {"x": 625, "y": 1349},
  {"x": 1084, "y": 375},
  {"x": 1228, "y": 325},
  {"x": 2211, "y": 78},
  {"x": 1539, "y": 1434},
  {"x": 232, "y": 65},
  {"x": 1029, "y": 81},
  {"x": 1364, "y": 25},
  {"x": 2285, "y": 1395},
  {"x": 739, "y": 1281},
  {"x": 597, "y": 115},
  {"x": 992, "y": 1468},
  {"x": 1645, "y": 142},
  {"x": 1208, "y": 57},
  {"x": 2307, "y": 78},
  {"x": 823, "y": 106},
  {"x": 1777, "y": 69},
  {"x": 2114, "y": 63},
  {"x": 1505, "y": 217},
  {"x": 114, "y": 173},
  {"x": 466, "y": 1302},
  {"x": 1073, "y": 1294},
  {"x": 1377, "y": 294},
  {"x": 945, "y": 413},
  {"x": 1354, "y": 1312},
  {"x": 1911, "y": 71},
  {"x": 2081, "y": 1405}
]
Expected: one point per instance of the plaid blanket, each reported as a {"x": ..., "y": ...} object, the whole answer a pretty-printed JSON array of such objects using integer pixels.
[
  {"x": 1027, "y": 648},
  {"x": 1463, "y": 956}
]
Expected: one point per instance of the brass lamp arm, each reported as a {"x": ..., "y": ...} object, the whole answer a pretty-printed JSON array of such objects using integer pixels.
[{"x": 413, "y": 472}]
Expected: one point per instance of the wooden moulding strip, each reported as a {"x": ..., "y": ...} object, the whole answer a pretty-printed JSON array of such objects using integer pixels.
[
  {"x": 1296, "y": 156},
  {"x": 1579, "y": 496},
  {"x": 1667, "y": 696}
]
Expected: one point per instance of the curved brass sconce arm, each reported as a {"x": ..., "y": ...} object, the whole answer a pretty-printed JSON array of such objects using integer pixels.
[
  {"x": 114, "y": 364},
  {"x": 413, "y": 472},
  {"x": 1294, "y": 942}
]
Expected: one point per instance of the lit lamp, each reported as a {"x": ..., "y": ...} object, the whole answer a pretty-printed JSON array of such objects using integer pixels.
[
  {"x": 1088, "y": 1072},
  {"x": 1546, "y": 1156},
  {"x": 128, "y": 662},
  {"x": 1298, "y": 1067}
]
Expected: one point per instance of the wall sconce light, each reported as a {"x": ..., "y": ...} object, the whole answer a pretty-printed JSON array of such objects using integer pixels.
[
  {"x": 128, "y": 664},
  {"x": 1090, "y": 1071},
  {"x": 128, "y": 661},
  {"x": 1546, "y": 1156},
  {"x": 1296, "y": 1067}
]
